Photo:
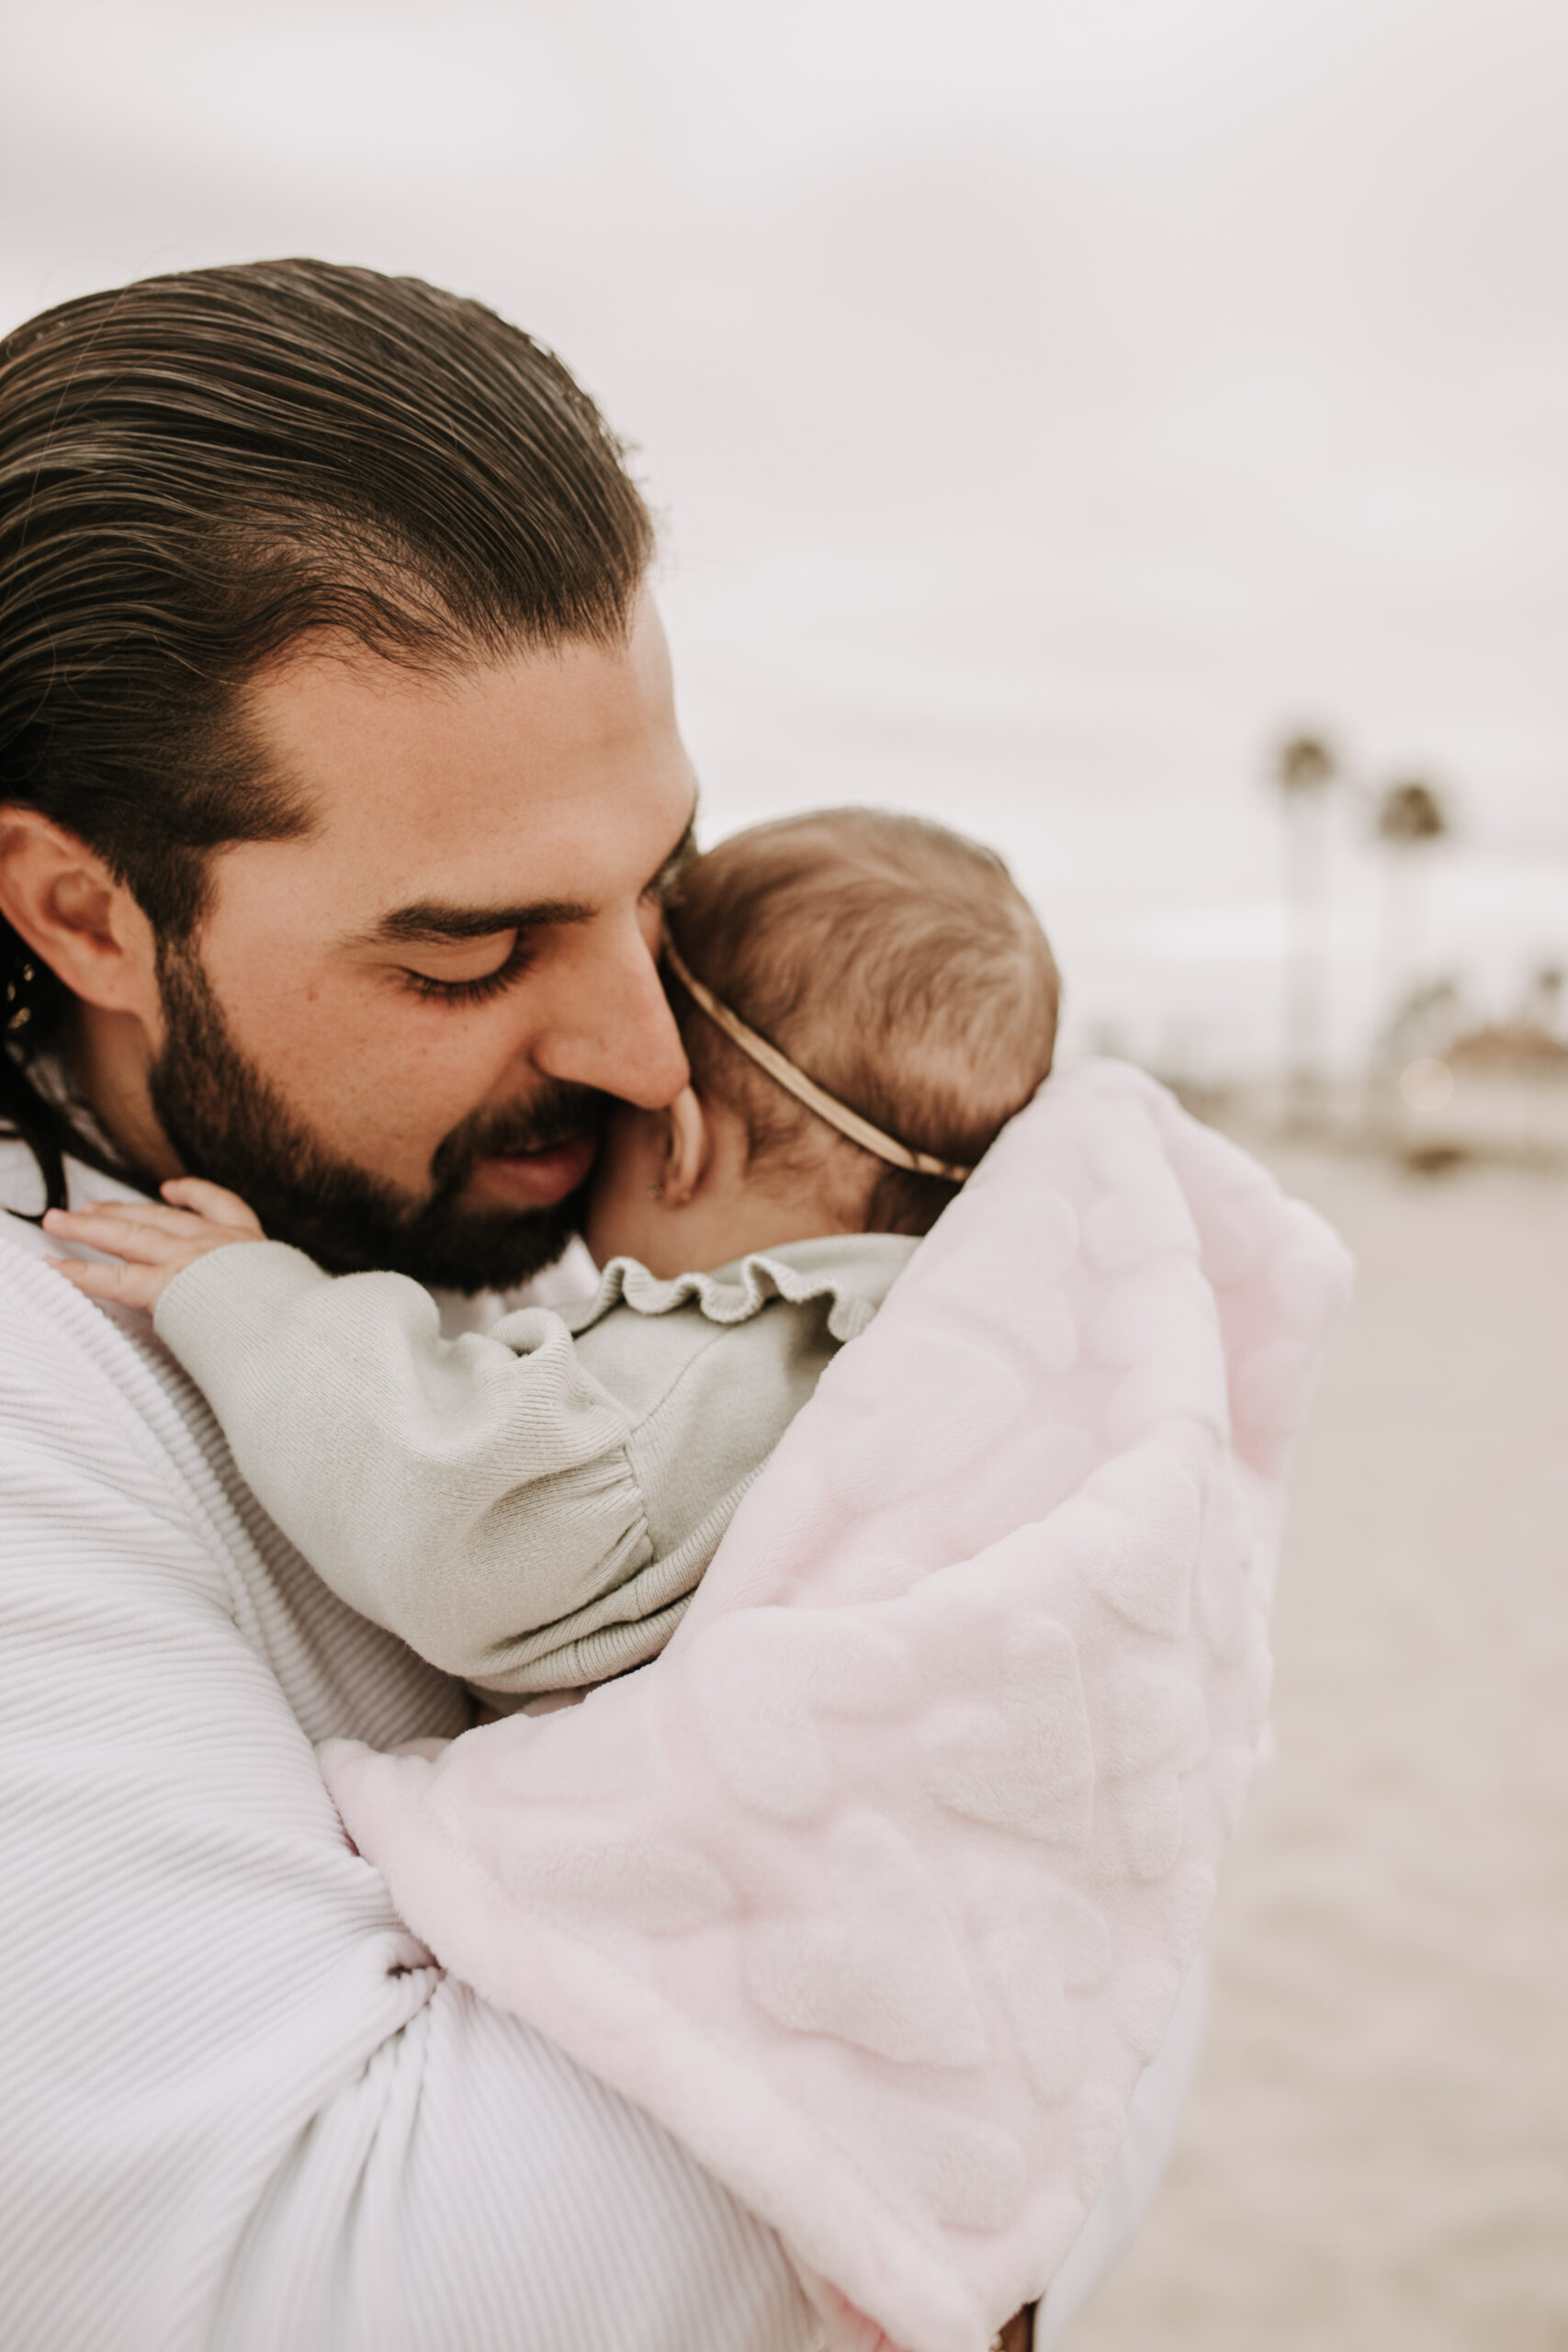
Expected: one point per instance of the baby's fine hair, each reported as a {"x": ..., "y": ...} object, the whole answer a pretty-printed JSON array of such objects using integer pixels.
[{"x": 897, "y": 965}]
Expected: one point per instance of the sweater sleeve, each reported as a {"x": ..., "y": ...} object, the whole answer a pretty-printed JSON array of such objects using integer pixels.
[
  {"x": 465, "y": 1494},
  {"x": 243, "y": 2111}
]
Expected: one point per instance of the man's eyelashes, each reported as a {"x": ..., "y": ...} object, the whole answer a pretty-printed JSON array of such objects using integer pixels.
[{"x": 480, "y": 991}]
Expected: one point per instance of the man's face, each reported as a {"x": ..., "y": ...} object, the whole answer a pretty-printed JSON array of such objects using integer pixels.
[{"x": 398, "y": 1036}]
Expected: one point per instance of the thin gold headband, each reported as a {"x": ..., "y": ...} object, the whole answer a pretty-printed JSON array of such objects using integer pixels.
[{"x": 794, "y": 1082}]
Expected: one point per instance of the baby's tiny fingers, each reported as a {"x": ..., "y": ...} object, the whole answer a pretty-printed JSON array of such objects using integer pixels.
[
  {"x": 118, "y": 1285},
  {"x": 210, "y": 1201},
  {"x": 136, "y": 1237},
  {"x": 97, "y": 1214}
]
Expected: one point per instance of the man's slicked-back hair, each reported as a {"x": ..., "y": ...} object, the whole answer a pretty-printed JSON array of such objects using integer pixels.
[{"x": 199, "y": 470}]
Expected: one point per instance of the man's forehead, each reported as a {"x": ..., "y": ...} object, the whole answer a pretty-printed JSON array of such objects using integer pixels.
[
  {"x": 473, "y": 801},
  {"x": 357, "y": 735}
]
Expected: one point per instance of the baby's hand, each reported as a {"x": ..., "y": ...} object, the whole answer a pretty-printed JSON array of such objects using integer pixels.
[{"x": 156, "y": 1243}]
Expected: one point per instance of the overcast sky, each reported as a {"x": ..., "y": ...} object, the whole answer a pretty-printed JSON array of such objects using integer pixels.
[{"x": 1047, "y": 403}]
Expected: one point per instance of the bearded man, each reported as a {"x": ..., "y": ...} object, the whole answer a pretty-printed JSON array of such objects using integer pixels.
[{"x": 339, "y": 783}]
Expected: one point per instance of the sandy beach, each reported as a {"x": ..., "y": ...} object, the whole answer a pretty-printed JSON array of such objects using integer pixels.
[{"x": 1376, "y": 2157}]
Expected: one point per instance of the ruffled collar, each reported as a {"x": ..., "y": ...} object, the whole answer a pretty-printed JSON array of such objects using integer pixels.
[{"x": 855, "y": 1270}]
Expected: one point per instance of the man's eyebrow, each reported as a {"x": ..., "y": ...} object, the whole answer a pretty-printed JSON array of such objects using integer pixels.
[{"x": 431, "y": 922}]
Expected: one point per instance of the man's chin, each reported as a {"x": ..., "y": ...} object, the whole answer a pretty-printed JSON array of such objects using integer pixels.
[{"x": 467, "y": 1248}]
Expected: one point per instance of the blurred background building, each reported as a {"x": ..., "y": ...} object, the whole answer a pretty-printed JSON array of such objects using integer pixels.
[{"x": 1133, "y": 431}]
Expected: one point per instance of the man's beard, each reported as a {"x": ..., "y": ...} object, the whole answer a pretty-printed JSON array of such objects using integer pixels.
[{"x": 228, "y": 1122}]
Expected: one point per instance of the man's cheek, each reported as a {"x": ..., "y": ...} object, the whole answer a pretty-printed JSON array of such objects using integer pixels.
[
  {"x": 383, "y": 1074},
  {"x": 374, "y": 1109},
  {"x": 373, "y": 1057}
]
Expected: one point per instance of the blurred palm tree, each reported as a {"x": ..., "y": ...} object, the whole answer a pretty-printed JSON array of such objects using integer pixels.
[
  {"x": 1305, "y": 768},
  {"x": 1410, "y": 818},
  {"x": 1542, "y": 1007},
  {"x": 1408, "y": 813}
]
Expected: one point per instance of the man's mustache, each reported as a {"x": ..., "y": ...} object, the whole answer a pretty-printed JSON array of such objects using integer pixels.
[{"x": 562, "y": 1114}]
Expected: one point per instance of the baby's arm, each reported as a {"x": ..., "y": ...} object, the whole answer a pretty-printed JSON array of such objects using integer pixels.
[{"x": 460, "y": 1493}]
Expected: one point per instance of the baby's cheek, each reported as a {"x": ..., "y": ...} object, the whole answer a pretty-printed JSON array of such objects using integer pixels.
[{"x": 618, "y": 1203}]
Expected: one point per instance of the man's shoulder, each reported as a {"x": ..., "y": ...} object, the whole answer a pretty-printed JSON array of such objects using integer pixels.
[
  {"x": 81, "y": 1385},
  {"x": 19, "y": 1233},
  {"x": 109, "y": 1454},
  {"x": 57, "y": 1331},
  {"x": 23, "y": 1196},
  {"x": 38, "y": 1302},
  {"x": 22, "y": 1193}
]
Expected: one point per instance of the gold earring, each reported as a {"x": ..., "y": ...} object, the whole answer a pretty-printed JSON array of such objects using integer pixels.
[{"x": 656, "y": 1191}]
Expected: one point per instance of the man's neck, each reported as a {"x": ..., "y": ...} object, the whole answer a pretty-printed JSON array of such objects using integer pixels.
[{"x": 108, "y": 1059}]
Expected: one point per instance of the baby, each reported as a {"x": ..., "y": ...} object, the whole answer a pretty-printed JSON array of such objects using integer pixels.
[{"x": 864, "y": 1000}]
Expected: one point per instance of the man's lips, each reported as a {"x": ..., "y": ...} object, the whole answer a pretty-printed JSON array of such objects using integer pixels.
[{"x": 538, "y": 1179}]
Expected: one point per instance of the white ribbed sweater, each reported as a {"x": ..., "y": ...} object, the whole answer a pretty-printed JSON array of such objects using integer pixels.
[{"x": 243, "y": 2111}]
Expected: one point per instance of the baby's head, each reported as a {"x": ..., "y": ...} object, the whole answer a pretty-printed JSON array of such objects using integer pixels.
[{"x": 899, "y": 968}]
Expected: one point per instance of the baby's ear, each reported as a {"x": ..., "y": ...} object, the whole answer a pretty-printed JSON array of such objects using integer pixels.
[{"x": 688, "y": 1148}]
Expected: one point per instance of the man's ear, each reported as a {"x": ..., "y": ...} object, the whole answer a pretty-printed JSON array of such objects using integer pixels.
[
  {"x": 688, "y": 1148},
  {"x": 61, "y": 898}
]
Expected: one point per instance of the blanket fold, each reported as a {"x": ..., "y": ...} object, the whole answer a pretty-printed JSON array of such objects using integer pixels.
[{"x": 879, "y": 1886}]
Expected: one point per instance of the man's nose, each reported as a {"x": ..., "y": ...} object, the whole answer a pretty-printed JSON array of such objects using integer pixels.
[{"x": 609, "y": 1023}]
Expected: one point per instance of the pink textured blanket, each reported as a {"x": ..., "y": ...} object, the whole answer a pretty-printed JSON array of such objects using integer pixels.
[{"x": 879, "y": 1885}]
